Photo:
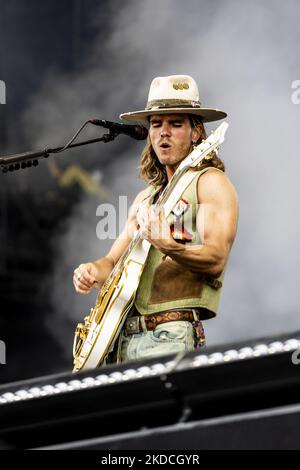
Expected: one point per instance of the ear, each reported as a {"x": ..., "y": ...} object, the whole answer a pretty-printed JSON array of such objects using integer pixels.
[{"x": 196, "y": 133}]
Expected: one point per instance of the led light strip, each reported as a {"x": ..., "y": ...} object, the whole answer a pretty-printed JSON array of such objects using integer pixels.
[{"x": 201, "y": 360}]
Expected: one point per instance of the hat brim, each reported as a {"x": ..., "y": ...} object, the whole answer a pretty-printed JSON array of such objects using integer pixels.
[{"x": 207, "y": 114}]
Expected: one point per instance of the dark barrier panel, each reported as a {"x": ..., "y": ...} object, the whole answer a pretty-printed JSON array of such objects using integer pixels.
[{"x": 195, "y": 387}]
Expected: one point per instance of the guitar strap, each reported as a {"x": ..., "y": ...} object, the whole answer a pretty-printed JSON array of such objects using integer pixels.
[{"x": 177, "y": 191}]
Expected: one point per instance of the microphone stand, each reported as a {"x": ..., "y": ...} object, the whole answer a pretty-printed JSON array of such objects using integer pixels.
[{"x": 28, "y": 159}]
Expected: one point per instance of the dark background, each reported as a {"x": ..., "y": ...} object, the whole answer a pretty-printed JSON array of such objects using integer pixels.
[{"x": 35, "y": 38}]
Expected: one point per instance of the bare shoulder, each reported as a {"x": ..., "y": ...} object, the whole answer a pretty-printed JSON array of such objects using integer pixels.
[
  {"x": 215, "y": 184},
  {"x": 141, "y": 196}
]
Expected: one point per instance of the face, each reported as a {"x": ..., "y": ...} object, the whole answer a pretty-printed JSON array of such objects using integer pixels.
[{"x": 171, "y": 137}]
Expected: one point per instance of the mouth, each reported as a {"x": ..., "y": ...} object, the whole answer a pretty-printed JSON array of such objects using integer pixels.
[{"x": 165, "y": 145}]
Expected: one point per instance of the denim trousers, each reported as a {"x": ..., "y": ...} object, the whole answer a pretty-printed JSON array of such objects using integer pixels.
[{"x": 167, "y": 338}]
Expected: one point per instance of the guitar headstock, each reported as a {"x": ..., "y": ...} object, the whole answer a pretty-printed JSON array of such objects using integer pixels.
[
  {"x": 218, "y": 135},
  {"x": 212, "y": 142}
]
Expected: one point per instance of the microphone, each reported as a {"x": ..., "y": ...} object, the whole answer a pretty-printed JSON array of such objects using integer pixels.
[{"x": 136, "y": 132}]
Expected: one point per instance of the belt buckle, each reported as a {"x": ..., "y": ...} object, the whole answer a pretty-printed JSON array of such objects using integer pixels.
[{"x": 133, "y": 325}]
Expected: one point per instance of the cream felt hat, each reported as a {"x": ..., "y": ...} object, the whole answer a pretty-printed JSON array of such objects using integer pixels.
[{"x": 172, "y": 95}]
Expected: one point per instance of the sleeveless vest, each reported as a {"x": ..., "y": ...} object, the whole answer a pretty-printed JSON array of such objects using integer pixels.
[{"x": 166, "y": 284}]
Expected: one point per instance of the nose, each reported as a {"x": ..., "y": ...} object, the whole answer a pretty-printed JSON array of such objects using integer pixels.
[{"x": 165, "y": 130}]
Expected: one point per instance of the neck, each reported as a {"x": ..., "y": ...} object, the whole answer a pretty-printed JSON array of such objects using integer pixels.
[{"x": 170, "y": 171}]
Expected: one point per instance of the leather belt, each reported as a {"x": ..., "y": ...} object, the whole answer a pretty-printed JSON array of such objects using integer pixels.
[{"x": 137, "y": 324}]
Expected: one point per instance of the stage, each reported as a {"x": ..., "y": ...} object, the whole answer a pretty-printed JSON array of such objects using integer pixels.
[{"x": 238, "y": 396}]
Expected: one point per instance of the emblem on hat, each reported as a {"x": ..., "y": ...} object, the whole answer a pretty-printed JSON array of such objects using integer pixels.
[{"x": 181, "y": 86}]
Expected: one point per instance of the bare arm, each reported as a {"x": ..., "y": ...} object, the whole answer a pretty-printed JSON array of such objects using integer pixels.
[
  {"x": 93, "y": 274},
  {"x": 216, "y": 223}
]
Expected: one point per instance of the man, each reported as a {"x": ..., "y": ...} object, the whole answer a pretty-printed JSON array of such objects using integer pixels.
[{"x": 181, "y": 282}]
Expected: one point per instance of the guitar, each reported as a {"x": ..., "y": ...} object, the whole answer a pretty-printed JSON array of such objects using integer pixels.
[{"x": 95, "y": 338}]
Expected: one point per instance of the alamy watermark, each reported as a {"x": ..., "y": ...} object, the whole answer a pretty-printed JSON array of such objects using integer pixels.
[
  {"x": 111, "y": 223},
  {"x": 2, "y": 352},
  {"x": 295, "y": 97},
  {"x": 2, "y": 92},
  {"x": 296, "y": 357},
  {"x": 123, "y": 222}
]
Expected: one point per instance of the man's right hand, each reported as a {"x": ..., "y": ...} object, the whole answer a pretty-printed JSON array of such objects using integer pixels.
[
  {"x": 84, "y": 278},
  {"x": 92, "y": 275}
]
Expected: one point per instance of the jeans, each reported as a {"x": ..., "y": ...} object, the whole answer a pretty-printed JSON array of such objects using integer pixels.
[{"x": 167, "y": 338}]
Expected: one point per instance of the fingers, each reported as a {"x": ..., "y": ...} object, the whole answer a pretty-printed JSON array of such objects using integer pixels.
[
  {"x": 82, "y": 279},
  {"x": 153, "y": 225},
  {"x": 147, "y": 220},
  {"x": 142, "y": 216},
  {"x": 79, "y": 286},
  {"x": 85, "y": 275}
]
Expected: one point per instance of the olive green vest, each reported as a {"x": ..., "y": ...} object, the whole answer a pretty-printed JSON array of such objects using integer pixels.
[{"x": 166, "y": 284}]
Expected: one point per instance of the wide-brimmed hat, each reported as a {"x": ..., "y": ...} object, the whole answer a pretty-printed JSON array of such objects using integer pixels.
[{"x": 173, "y": 95}]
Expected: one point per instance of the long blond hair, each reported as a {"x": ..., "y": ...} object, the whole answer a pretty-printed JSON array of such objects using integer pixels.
[{"x": 152, "y": 171}]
